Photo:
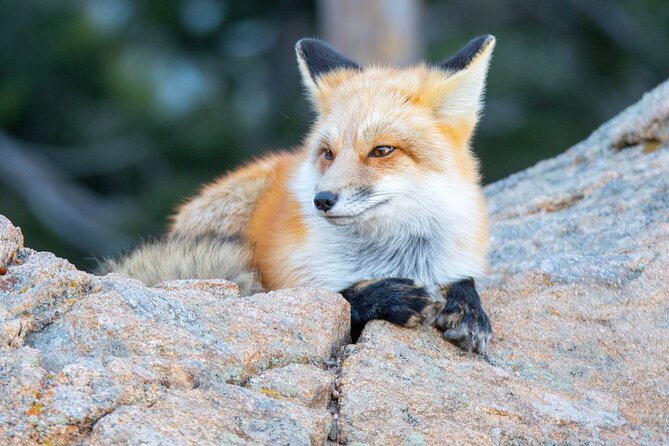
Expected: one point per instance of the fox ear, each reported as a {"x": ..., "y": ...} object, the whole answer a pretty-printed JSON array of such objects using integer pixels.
[
  {"x": 316, "y": 58},
  {"x": 467, "y": 71}
]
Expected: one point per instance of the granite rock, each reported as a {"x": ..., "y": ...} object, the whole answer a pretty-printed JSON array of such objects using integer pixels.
[
  {"x": 11, "y": 239},
  {"x": 35, "y": 291},
  {"x": 302, "y": 383},
  {"x": 221, "y": 415},
  {"x": 106, "y": 360}
]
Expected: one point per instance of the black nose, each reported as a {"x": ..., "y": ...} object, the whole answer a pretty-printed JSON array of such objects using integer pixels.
[{"x": 325, "y": 200}]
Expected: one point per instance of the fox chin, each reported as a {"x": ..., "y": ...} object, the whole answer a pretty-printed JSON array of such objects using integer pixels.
[{"x": 381, "y": 203}]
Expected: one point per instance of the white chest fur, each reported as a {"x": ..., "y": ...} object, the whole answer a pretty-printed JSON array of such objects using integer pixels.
[
  {"x": 428, "y": 234},
  {"x": 426, "y": 250}
]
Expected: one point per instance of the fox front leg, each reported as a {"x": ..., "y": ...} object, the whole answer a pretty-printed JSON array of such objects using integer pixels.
[
  {"x": 403, "y": 302},
  {"x": 462, "y": 318},
  {"x": 407, "y": 303}
]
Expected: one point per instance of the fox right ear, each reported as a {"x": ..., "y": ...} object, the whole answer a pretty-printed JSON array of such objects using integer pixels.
[
  {"x": 465, "y": 85},
  {"x": 468, "y": 54},
  {"x": 316, "y": 58}
]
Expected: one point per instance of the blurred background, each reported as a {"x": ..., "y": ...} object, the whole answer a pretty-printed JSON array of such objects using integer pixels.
[{"x": 113, "y": 111}]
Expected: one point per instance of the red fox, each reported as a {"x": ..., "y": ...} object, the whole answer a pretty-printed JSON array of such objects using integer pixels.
[{"x": 382, "y": 202}]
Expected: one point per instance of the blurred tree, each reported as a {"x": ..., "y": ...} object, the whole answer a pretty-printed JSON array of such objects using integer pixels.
[
  {"x": 373, "y": 31},
  {"x": 112, "y": 111},
  {"x": 119, "y": 108}
]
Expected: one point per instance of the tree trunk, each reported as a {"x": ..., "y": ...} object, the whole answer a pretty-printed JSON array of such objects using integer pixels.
[{"x": 373, "y": 31}]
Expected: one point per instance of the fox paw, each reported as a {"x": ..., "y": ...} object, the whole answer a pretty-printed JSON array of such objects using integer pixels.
[
  {"x": 464, "y": 322},
  {"x": 403, "y": 302}
]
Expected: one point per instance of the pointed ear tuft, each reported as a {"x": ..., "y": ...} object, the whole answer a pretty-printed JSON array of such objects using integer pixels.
[
  {"x": 320, "y": 58},
  {"x": 468, "y": 53},
  {"x": 464, "y": 84}
]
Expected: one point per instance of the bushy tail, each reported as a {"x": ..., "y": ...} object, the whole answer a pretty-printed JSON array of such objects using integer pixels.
[{"x": 178, "y": 257}]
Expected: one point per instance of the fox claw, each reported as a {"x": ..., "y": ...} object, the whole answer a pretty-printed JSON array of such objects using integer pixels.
[
  {"x": 462, "y": 319},
  {"x": 467, "y": 332}
]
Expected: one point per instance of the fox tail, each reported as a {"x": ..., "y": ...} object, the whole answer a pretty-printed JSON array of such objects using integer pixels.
[{"x": 179, "y": 257}]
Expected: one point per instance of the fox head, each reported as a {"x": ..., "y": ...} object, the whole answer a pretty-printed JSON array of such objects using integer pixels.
[{"x": 392, "y": 144}]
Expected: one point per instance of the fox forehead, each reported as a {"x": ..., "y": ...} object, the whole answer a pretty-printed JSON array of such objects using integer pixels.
[
  {"x": 380, "y": 86},
  {"x": 381, "y": 106},
  {"x": 401, "y": 84},
  {"x": 377, "y": 102}
]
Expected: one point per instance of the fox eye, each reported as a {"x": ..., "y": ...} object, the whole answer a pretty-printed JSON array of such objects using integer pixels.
[
  {"x": 327, "y": 154},
  {"x": 381, "y": 151}
]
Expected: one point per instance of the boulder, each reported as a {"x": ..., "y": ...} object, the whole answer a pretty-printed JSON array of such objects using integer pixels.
[
  {"x": 106, "y": 360},
  {"x": 11, "y": 239}
]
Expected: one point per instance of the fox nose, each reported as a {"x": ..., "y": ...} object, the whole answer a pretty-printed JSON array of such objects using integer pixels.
[{"x": 325, "y": 200}]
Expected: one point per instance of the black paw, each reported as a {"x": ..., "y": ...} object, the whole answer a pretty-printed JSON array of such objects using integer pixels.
[
  {"x": 400, "y": 301},
  {"x": 462, "y": 319}
]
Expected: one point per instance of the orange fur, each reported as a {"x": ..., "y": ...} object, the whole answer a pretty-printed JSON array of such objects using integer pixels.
[
  {"x": 275, "y": 228},
  {"x": 224, "y": 207}
]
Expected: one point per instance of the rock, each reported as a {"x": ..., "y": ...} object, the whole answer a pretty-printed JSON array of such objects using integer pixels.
[
  {"x": 577, "y": 296},
  {"x": 35, "y": 291},
  {"x": 11, "y": 239},
  {"x": 217, "y": 287},
  {"x": 223, "y": 415},
  {"x": 77, "y": 349},
  {"x": 213, "y": 341},
  {"x": 302, "y": 383},
  {"x": 20, "y": 393},
  {"x": 578, "y": 299}
]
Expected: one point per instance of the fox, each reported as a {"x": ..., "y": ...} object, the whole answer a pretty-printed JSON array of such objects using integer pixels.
[{"x": 382, "y": 202}]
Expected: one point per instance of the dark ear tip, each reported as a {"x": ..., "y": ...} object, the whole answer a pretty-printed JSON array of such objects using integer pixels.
[
  {"x": 320, "y": 58},
  {"x": 308, "y": 44},
  {"x": 482, "y": 42},
  {"x": 299, "y": 46},
  {"x": 488, "y": 39},
  {"x": 469, "y": 52}
]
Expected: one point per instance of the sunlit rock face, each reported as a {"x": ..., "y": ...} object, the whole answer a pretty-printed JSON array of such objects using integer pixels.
[{"x": 577, "y": 295}]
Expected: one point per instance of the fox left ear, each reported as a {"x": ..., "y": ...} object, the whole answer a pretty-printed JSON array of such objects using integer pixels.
[
  {"x": 465, "y": 86},
  {"x": 316, "y": 58}
]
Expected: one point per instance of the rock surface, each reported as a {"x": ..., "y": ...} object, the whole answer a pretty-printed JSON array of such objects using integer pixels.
[
  {"x": 11, "y": 239},
  {"x": 106, "y": 360},
  {"x": 301, "y": 383},
  {"x": 225, "y": 415},
  {"x": 578, "y": 298}
]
